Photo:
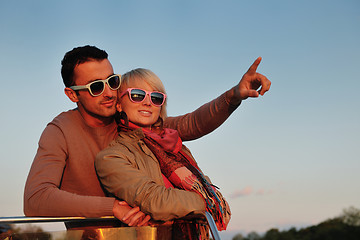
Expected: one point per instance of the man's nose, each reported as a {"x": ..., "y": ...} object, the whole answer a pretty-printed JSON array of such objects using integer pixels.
[{"x": 108, "y": 92}]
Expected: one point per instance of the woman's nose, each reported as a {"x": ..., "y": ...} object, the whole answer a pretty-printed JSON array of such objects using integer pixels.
[{"x": 147, "y": 100}]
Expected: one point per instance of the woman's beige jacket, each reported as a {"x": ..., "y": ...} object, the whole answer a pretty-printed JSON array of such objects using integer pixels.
[{"x": 130, "y": 171}]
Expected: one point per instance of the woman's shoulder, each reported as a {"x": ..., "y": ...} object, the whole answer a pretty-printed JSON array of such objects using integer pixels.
[
  {"x": 116, "y": 149},
  {"x": 129, "y": 137},
  {"x": 128, "y": 146},
  {"x": 124, "y": 142}
]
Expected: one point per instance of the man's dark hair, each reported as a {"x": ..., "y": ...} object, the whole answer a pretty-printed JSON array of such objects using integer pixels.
[{"x": 77, "y": 56}]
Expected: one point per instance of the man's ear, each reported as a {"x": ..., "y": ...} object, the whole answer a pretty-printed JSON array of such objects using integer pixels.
[{"x": 71, "y": 95}]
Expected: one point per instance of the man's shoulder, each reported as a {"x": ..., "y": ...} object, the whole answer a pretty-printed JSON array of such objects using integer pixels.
[
  {"x": 70, "y": 117},
  {"x": 63, "y": 126}
]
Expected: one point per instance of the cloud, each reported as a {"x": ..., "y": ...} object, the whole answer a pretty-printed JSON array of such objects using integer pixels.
[
  {"x": 263, "y": 192},
  {"x": 260, "y": 192},
  {"x": 247, "y": 191},
  {"x": 241, "y": 193}
]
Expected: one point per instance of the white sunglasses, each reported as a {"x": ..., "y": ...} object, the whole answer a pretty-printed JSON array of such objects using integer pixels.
[{"x": 97, "y": 87}]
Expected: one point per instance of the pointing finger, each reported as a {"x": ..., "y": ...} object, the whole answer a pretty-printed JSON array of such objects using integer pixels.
[{"x": 253, "y": 67}]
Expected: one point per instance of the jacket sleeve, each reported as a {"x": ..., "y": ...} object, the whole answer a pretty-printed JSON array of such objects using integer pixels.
[
  {"x": 203, "y": 120},
  {"x": 120, "y": 175},
  {"x": 42, "y": 196}
]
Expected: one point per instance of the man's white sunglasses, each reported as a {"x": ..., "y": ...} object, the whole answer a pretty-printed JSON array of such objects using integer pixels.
[{"x": 97, "y": 87}]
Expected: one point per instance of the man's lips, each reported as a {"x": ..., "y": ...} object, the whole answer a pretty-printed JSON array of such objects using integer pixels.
[{"x": 108, "y": 103}]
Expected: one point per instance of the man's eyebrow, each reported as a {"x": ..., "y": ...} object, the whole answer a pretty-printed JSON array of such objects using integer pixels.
[
  {"x": 90, "y": 81},
  {"x": 111, "y": 75}
]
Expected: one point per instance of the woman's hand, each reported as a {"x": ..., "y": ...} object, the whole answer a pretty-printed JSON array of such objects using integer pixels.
[
  {"x": 249, "y": 85},
  {"x": 129, "y": 215}
]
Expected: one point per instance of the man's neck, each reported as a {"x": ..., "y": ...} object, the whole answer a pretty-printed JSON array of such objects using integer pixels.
[
  {"x": 93, "y": 120},
  {"x": 99, "y": 122}
]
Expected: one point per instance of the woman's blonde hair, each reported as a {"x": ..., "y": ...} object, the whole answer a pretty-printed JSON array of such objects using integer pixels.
[{"x": 141, "y": 74}]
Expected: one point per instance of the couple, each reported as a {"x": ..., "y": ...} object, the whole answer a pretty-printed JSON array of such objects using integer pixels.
[{"x": 62, "y": 180}]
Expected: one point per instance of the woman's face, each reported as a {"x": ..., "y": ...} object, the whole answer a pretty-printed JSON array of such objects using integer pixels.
[{"x": 143, "y": 114}]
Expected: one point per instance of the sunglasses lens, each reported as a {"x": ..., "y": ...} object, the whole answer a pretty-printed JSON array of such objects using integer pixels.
[
  {"x": 114, "y": 82},
  {"x": 157, "y": 98},
  {"x": 137, "y": 95},
  {"x": 97, "y": 88}
]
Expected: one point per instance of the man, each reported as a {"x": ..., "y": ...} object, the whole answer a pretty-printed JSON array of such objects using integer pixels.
[{"x": 62, "y": 180}]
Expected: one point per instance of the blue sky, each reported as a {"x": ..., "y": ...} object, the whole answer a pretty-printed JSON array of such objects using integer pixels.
[{"x": 289, "y": 158}]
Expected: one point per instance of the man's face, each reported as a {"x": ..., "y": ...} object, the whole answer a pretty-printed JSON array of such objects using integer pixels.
[{"x": 99, "y": 110}]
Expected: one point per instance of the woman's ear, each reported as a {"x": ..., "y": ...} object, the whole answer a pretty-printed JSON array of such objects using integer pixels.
[
  {"x": 71, "y": 95},
  {"x": 118, "y": 107}
]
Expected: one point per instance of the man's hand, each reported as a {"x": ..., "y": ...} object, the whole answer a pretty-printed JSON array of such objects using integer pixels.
[
  {"x": 129, "y": 215},
  {"x": 249, "y": 85}
]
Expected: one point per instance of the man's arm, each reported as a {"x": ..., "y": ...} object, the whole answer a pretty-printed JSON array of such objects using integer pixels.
[
  {"x": 43, "y": 196},
  {"x": 211, "y": 115}
]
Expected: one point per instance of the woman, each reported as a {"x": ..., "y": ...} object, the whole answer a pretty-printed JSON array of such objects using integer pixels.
[{"x": 147, "y": 165}]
